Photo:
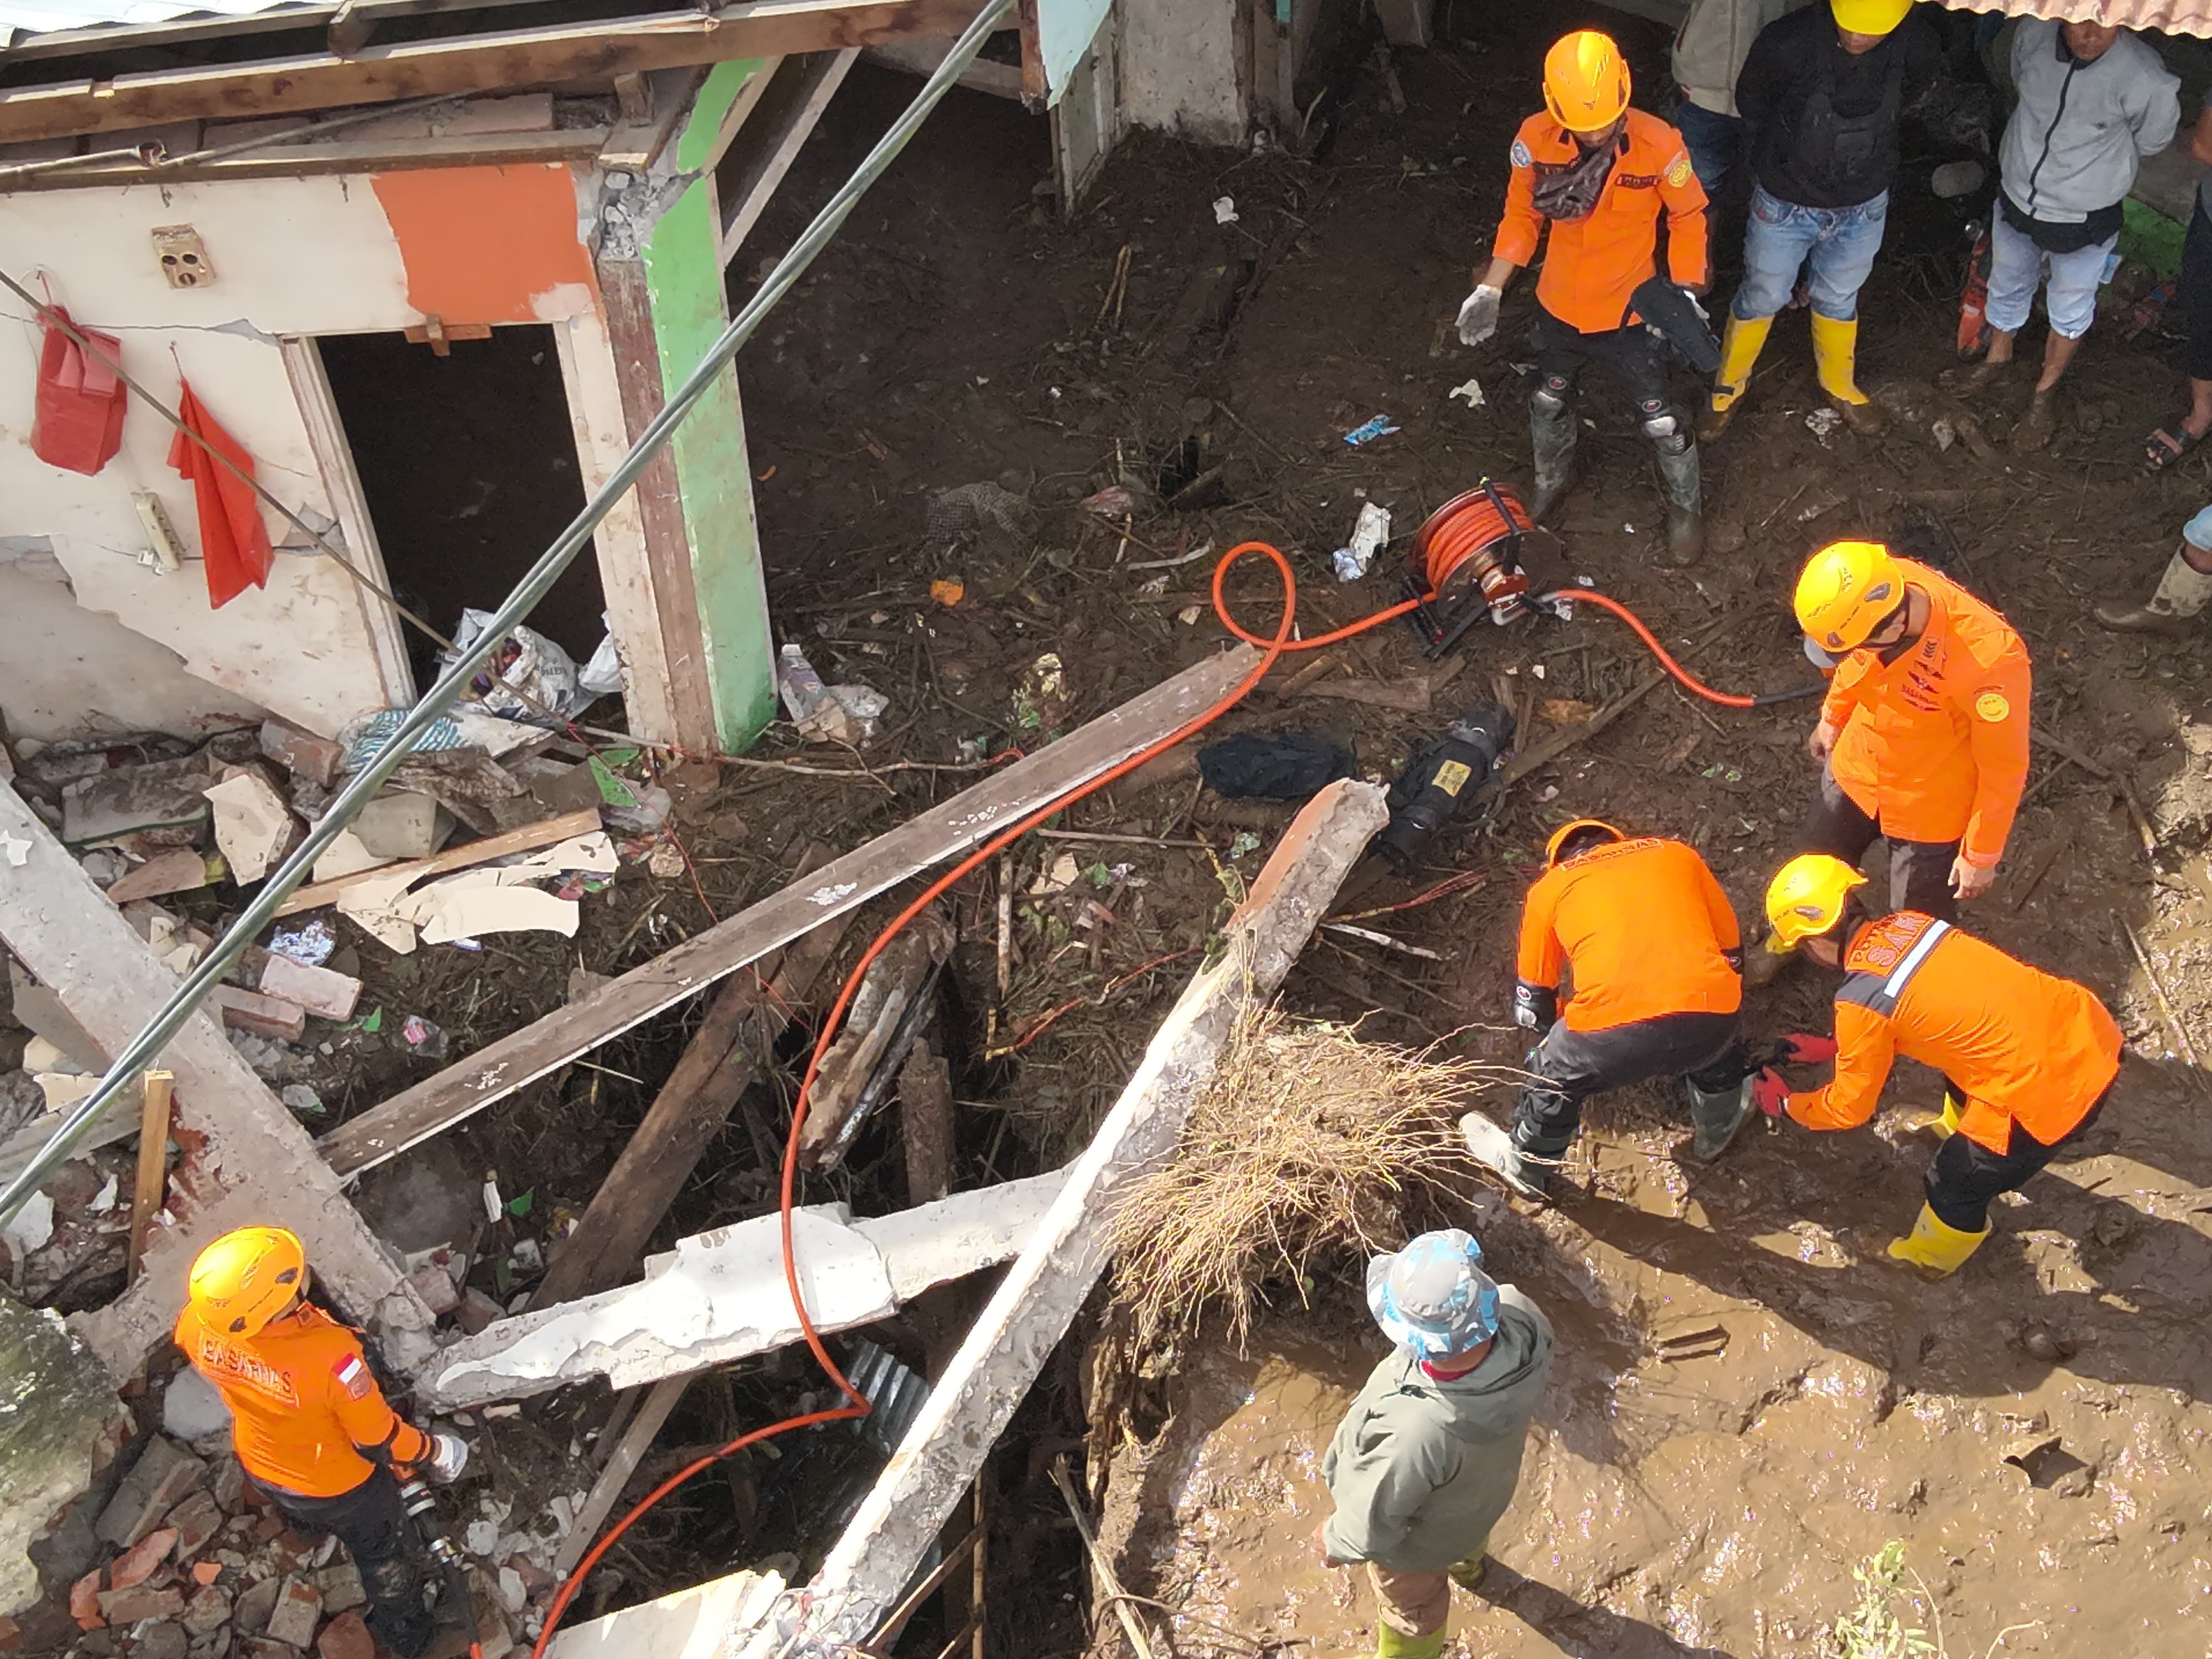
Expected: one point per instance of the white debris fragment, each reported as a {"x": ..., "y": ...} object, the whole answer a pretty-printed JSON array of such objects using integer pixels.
[
  {"x": 104, "y": 1200},
  {"x": 16, "y": 850},
  {"x": 1225, "y": 209},
  {"x": 1821, "y": 421},
  {"x": 34, "y": 1225},
  {"x": 512, "y": 1590},
  {"x": 481, "y": 1537},
  {"x": 493, "y": 1203},
  {"x": 1470, "y": 390}
]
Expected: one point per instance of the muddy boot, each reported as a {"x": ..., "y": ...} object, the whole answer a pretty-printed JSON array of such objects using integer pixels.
[
  {"x": 2183, "y": 593},
  {"x": 1763, "y": 967},
  {"x": 1740, "y": 346},
  {"x": 1715, "y": 1118},
  {"x": 1552, "y": 441},
  {"x": 1686, "y": 523},
  {"x": 1501, "y": 1150}
]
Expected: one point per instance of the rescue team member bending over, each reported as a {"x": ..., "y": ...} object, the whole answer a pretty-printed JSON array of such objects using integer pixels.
[
  {"x": 1657, "y": 965},
  {"x": 1426, "y": 1459},
  {"x": 2027, "y": 1059},
  {"x": 1598, "y": 172},
  {"x": 1922, "y": 739},
  {"x": 310, "y": 1424}
]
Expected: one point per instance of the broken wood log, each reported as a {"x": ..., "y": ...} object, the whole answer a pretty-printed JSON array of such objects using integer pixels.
[
  {"x": 499, "y": 1069},
  {"x": 926, "y": 1124},
  {"x": 251, "y": 1163},
  {"x": 716, "y": 1067},
  {"x": 152, "y": 1165},
  {"x": 901, "y": 1518},
  {"x": 882, "y": 1008},
  {"x": 722, "y": 1296},
  {"x": 528, "y": 839}
]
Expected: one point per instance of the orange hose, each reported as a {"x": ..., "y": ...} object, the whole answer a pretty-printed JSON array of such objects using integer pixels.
[
  {"x": 1273, "y": 646},
  {"x": 1727, "y": 699}
]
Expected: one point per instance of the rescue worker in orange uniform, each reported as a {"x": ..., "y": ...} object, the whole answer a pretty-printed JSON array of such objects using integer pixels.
[
  {"x": 1598, "y": 175},
  {"x": 1656, "y": 962},
  {"x": 2027, "y": 1059},
  {"x": 310, "y": 1424},
  {"x": 1923, "y": 738}
]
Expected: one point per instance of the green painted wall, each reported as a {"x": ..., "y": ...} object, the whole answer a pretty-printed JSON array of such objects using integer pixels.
[{"x": 684, "y": 279}]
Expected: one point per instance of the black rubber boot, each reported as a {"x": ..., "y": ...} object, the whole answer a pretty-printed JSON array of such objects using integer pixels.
[
  {"x": 1552, "y": 442},
  {"x": 1686, "y": 522},
  {"x": 1715, "y": 1118}
]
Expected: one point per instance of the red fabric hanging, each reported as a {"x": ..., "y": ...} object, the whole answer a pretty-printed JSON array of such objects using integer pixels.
[
  {"x": 78, "y": 423},
  {"x": 233, "y": 541}
]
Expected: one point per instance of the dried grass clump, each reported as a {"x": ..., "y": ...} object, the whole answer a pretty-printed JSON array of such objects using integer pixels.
[{"x": 1307, "y": 1140}]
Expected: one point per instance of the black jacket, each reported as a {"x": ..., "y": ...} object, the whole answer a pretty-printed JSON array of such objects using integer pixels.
[{"x": 1823, "y": 123}]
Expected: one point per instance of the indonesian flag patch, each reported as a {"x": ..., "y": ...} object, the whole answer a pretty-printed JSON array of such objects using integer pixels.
[{"x": 352, "y": 1374}]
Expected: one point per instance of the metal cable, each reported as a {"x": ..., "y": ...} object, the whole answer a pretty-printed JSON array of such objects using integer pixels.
[{"x": 142, "y": 1049}]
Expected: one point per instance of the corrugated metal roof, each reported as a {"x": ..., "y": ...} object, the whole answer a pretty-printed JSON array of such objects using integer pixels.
[
  {"x": 2173, "y": 16},
  {"x": 41, "y": 16}
]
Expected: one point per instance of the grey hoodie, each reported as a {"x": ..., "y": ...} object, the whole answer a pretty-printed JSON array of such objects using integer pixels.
[
  {"x": 1421, "y": 1470},
  {"x": 2079, "y": 130}
]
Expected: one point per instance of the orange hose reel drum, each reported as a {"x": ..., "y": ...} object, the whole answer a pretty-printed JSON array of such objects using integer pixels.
[{"x": 1471, "y": 543}]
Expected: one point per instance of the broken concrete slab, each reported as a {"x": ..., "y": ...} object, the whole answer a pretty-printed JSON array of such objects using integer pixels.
[
  {"x": 903, "y": 1517},
  {"x": 60, "y": 1423},
  {"x": 402, "y": 826},
  {"x": 297, "y": 1610},
  {"x": 40, "y": 1008},
  {"x": 445, "y": 912},
  {"x": 180, "y": 870},
  {"x": 253, "y": 826},
  {"x": 164, "y": 1472},
  {"x": 157, "y": 796},
  {"x": 721, "y": 1295},
  {"x": 248, "y": 1162},
  {"x": 703, "y": 1622},
  {"x": 345, "y": 856}
]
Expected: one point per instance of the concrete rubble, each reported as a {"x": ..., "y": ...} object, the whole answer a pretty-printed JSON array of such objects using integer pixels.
[{"x": 721, "y": 1295}]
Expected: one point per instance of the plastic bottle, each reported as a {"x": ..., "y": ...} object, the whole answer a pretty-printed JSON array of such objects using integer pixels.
[{"x": 801, "y": 688}]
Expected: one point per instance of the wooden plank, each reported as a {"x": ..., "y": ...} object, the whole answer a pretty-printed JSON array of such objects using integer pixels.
[
  {"x": 716, "y": 1067},
  {"x": 313, "y": 160},
  {"x": 156, "y": 1088},
  {"x": 634, "y": 145},
  {"x": 78, "y": 43},
  {"x": 900, "y": 1521},
  {"x": 926, "y": 1124},
  {"x": 548, "y": 832},
  {"x": 467, "y": 64},
  {"x": 636, "y": 1440},
  {"x": 762, "y": 151},
  {"x": 438, "y": 1102}
]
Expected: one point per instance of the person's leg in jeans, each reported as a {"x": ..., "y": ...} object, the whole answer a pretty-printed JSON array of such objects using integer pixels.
[
  {"x": 2069, "y": 296},
  {"x": 1839, "y": 262},
  {"x": 1714, "y": 142},
  {"x": 2170, "y": 443},
  {"x": 395, "y": 1565},
  {"x": 1775, "y": 246},
  {"x": 2016, "y": 271}
]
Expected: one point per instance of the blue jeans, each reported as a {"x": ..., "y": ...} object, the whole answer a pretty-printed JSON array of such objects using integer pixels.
[
  {"x": 1715, "y": 142},
  {"x": 1839, "y": 243}
]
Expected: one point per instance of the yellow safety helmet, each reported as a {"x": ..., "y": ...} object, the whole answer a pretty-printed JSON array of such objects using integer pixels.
[
  {"x": 1846, "y": 592},
  {"x": 1806, "y": 899},
  {"x": 1560, "y": 837},
  {"x": 1585, "y": 82},
  {"x": 1868, "y": 16},
  {"x": 245, "y": 1278}
]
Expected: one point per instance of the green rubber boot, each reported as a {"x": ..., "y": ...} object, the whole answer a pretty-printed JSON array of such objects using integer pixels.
[{"x": 1392, "y": 1644}]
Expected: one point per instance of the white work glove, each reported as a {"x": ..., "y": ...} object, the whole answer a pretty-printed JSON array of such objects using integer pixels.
[
  {"x": 449, "y": 1455},
  {"x": 1478, "y": 315}
]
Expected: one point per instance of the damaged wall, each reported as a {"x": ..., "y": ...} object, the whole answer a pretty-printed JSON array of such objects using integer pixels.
[{"x": 291, "y": 257}]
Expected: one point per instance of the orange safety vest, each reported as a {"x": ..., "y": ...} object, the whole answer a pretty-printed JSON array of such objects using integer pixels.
[
  {"x": 2024, "y": 1046},
  {"x": 1644, "y": 928},
  {"x": 1934, "y": 746},
  {"x": 304, "y": 1406},
  {"x": 1596, "y": 262}
]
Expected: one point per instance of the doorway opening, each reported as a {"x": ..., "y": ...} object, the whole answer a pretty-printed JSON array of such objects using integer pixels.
[{"x": 468, "y": 463}]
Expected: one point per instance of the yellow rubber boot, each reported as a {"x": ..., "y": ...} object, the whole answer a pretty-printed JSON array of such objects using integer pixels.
[
  {"x": 1740, "y": 342},
  {"x": 1944, "y": 1124},
  {"x": 1395, "y": 1644},
  {"x": 1935, "y": 1245},
  {"x": 1835, "y": 362}
]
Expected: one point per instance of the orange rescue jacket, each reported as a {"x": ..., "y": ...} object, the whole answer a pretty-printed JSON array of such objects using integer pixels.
[
  {"x": 304, "y": 1407},
  {"x": 2023, "y": 1046},
  {"x": 1644, "y": 928},
  {"x": 1934, "y": 746},
  {"x": 1595, "y": 263}
]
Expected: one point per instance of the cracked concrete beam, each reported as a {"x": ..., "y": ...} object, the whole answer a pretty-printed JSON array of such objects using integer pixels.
[
  {"x": 245, "y": 1160},
  {"x": 721, "y": 1295},
  {"x": 903, "y": 1517}
]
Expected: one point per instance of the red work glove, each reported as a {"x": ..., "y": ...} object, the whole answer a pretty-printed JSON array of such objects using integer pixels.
[
  {"x": 1770, "y": 1092},
  {"x": 1803, "y": 1048}
]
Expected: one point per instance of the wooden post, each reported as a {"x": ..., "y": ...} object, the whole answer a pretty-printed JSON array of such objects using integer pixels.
[{"x": 152, "y": 1164}]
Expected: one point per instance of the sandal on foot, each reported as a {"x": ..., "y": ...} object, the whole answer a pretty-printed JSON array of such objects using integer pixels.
[{"x": 2167, "y": 445}]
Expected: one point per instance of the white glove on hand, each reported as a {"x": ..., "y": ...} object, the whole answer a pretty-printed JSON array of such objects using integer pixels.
[
  {"x": 449, "y": 1455},
  {"x": 1478, "y": 315}
]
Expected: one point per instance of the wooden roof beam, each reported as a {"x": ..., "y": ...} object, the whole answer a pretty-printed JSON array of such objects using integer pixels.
[{"x": 470, "y": 63}]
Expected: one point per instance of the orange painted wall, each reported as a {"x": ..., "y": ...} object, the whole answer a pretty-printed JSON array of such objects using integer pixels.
[{"x": 481, "y": 244}]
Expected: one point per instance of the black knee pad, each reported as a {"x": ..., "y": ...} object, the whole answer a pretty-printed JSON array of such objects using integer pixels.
[
  {"x": 1554, "y": 395},
  {"x": 1662, "y": 424}
]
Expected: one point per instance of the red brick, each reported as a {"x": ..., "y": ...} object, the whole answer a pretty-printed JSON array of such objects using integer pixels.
[
  {"x": 128, "y": 1606},
  {"x": 249, "y": 1011},
  {"x": 321, "y": 990},
  {"x": 196, "y": 1521},
  {"x": 84, "y": 1602},
  {"x": 206, "y": 1572},
  {"x": 301, "y": 753},
  {"x": 346, "y": 1636},
  {"x": 137, "y": 1564}
]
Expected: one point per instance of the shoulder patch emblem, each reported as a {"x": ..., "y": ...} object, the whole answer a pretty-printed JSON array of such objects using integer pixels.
[
  {"x": 1678, "y": 172},
  {"x": 1992, "y": 707},
  {"x": 1522, "y": 158},
  {"x": 353, "y": 1376}
]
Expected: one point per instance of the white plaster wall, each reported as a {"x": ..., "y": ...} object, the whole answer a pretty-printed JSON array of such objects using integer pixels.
[
  {"x": 293, "y": 256},
  {"x": 1180, "y": 68}
]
